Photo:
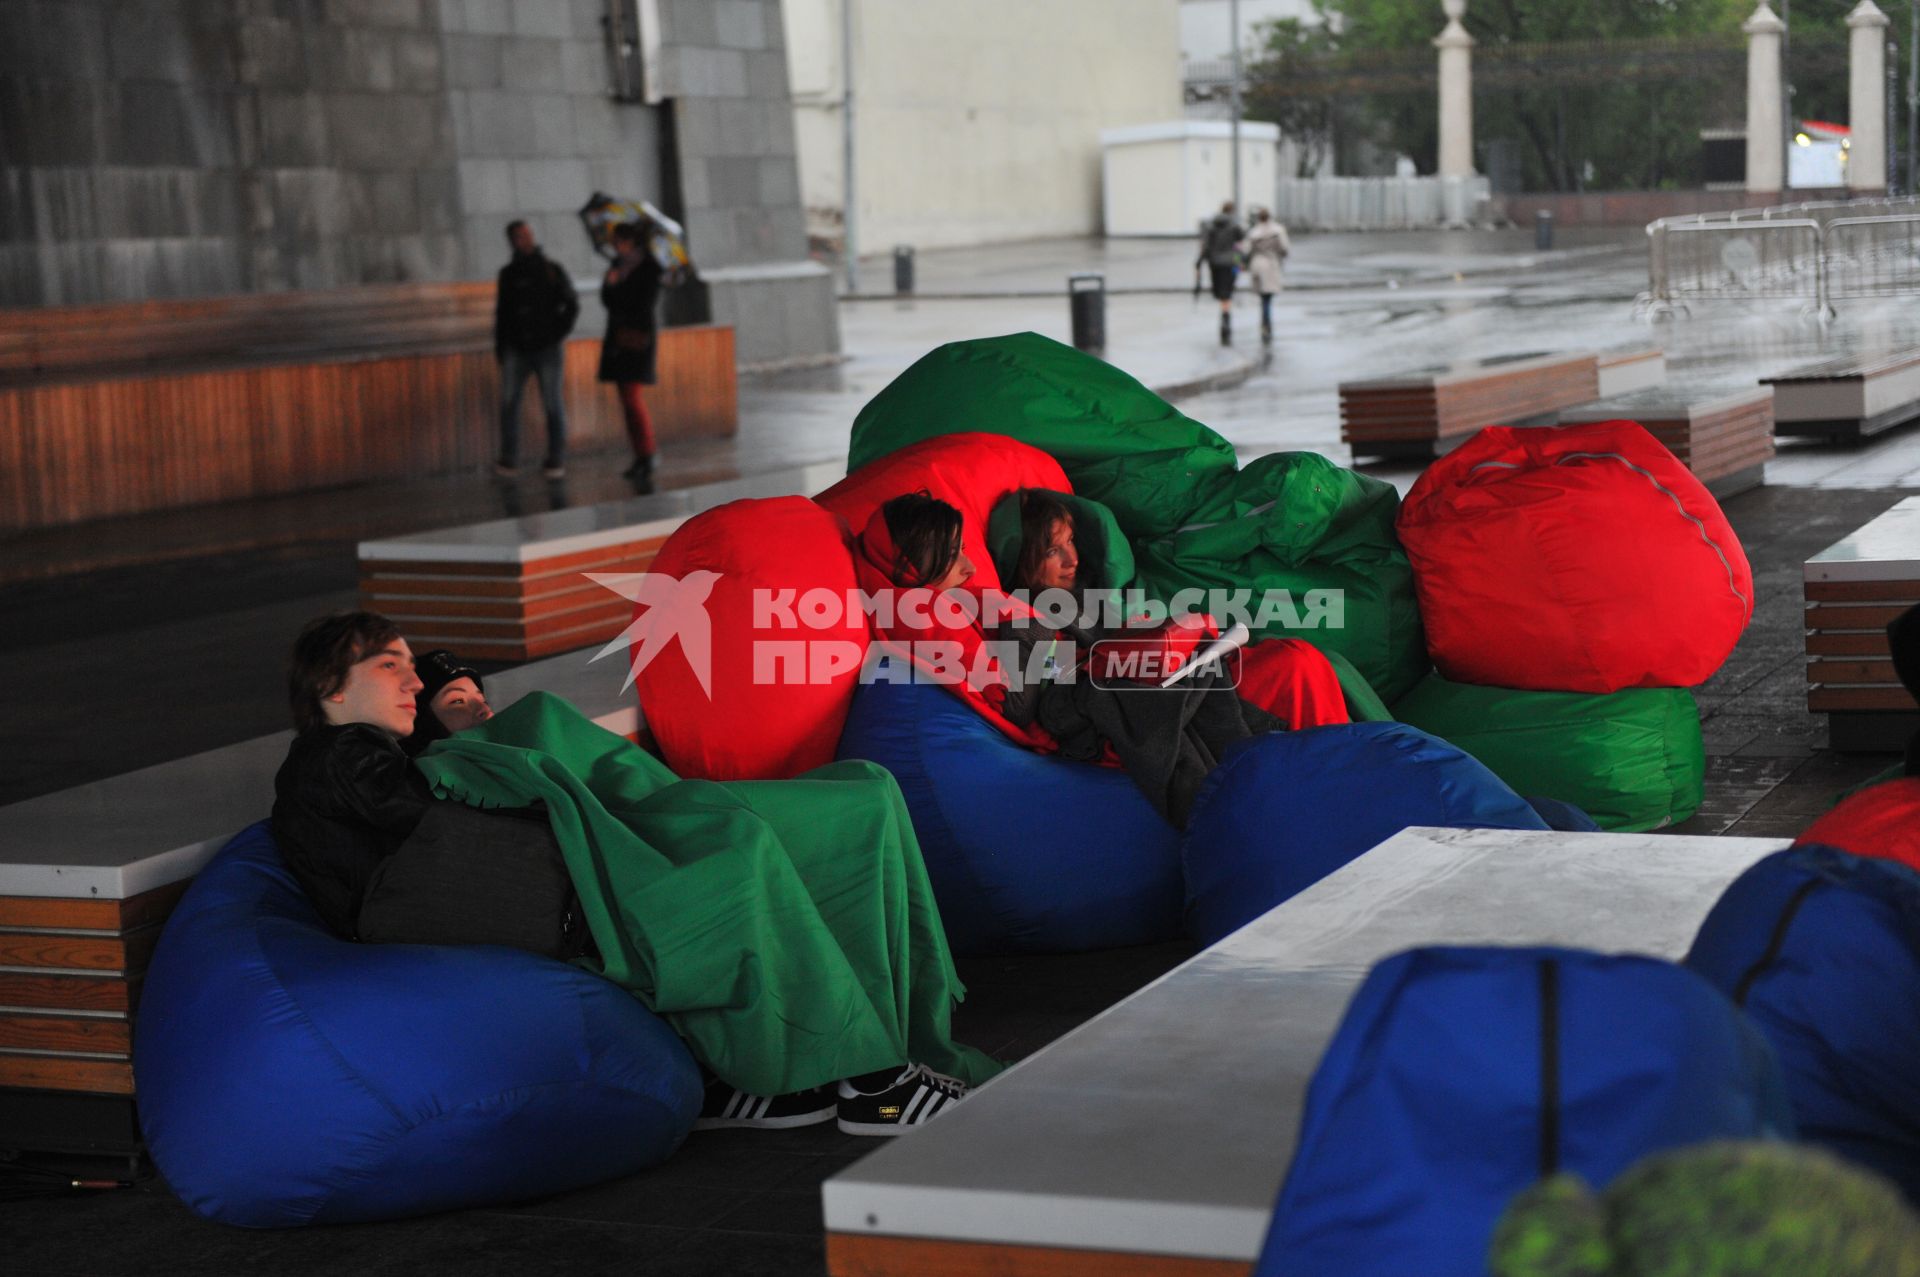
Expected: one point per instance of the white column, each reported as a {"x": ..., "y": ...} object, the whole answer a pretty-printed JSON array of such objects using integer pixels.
[
  {"x": 1867, "y": 98},
  {"x": 1766, "y": 132},
  {"x": 1456, "y": 93}
]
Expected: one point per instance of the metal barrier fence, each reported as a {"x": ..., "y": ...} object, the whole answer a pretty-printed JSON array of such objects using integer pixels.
[
  {"x": 1379, "y": 203},
  {"x": 1818, "y": 252}
]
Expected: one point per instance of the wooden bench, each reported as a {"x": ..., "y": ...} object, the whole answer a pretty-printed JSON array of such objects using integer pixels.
[
  {"x": 1848, "y": 399},
  {"x": 1621, "y": 372},
  {"x": 515, "y": 589},
  {"x": 1153, "y": 1140},
  {"x": 1853, "y": 589},
  {"x": 87, "y": 879},
  {"x": 1425, "y": 413},
  {"x": 123, "y": 409},
  {"x": 1726, "y": 439}
]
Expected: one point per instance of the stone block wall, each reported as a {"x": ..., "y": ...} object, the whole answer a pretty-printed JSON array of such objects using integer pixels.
[
  {"x": 724, "y": 65},
  {"x": 180, "y": 148},
  {"x": 536, "y": 126},
  {"x": 171, "y": 148}
]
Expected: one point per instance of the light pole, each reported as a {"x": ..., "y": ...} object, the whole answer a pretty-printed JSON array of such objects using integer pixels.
[
  {"x": 1786, "y": 94},
  {"x": 1913, "y": 90},
  {"x": 1233, "y": 98},
  {"x": 849, "y": 185}
]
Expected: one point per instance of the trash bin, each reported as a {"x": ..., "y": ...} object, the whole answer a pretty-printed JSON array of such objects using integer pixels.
[
  {"x": 903, "y": 268},
  {"x": 1087, "y": 306},
  {"x": 1542, "y": 229}
]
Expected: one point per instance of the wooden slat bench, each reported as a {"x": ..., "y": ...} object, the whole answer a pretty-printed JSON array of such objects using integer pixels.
[
  {"x": 87, "y": 879},
  {"x": 123, "y": 409},
  {"x": 515, "y": 589},
  {"x": 1726, "y": 439},
  {"x": 1152, "y": 1141},
  {"x": 1848, "y": 399},
  {"x": 1430, "y": 411},
  {"x": 1853, "y": 589}
]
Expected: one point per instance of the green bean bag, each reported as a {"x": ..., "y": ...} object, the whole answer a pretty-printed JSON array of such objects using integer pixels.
[
  {"x": 1295, "y": 521},
  {"x": 1120, "y": 444},
  {"x": 1630, "y": 759}
]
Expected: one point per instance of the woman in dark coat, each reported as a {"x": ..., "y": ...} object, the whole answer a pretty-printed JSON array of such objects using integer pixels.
[{"x": 631, "y": 292}]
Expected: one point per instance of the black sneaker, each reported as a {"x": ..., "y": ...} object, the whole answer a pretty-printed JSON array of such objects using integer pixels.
[
  {"x": 914, "y": 1098},
  {"x": 726, "y": 1107}
]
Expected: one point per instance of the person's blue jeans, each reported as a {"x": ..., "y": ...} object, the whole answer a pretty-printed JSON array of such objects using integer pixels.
[{"x": 514, "y": 370}]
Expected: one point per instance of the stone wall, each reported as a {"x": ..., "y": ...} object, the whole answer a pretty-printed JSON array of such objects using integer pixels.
[
  {"x": 536, "y": 128},
  {"x": 177, "y": 147},
  {"x": 181, "y": 148},
  {"x": 724, "y": 65}
]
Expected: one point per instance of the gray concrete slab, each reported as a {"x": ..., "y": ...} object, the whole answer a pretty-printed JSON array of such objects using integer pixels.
[{"x": 1165, "y": 1126}]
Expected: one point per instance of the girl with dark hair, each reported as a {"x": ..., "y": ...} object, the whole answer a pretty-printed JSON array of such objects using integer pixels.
[
  {"x": 926, "y": 539},
  {"x": 631, "y": 292}
]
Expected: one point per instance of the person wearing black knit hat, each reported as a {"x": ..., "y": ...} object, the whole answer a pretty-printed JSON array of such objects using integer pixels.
[{"x": 452, "y": 695}]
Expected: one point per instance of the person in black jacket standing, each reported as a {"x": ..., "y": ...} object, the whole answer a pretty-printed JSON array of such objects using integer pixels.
[
  {"x": 534, "y": 311},
  {"x": 631, "y": 292}
]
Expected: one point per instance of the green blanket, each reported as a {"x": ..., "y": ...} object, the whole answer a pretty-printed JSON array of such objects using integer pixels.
[{"x": 785, "y": 928}]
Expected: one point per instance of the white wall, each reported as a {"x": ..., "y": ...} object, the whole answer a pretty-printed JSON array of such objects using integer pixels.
[
  {"x": 1206, "y": 26},
  {"x": 1167, "y": 179},
  {"x": 977, "y": 122}
]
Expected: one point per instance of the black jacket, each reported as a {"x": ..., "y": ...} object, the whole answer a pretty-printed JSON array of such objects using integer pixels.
[
  {"x": 1220, "y": 242},
  {"x": 1168, "y": 739},
  {"x": 343, "y": 800},
  {"x": 627, "y": 350},
  {"x": 535, "y": 306}
]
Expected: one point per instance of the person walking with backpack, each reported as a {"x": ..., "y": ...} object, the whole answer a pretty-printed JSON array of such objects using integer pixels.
[
  {"x": 1266, "y": 247},
  {"x": 534, "y": 309},
  {"x": 1220, "y": 254}
]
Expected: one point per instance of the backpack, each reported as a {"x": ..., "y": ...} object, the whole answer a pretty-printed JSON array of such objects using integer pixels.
[
  {"x": 1822, "y": 949},
  {"x": 1223, "y": 242},
  {"x": 1460, "y": 1076}
]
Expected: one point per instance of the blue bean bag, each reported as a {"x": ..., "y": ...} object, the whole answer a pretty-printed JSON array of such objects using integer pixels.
[
  {"x": 1460, "y": 1076},
  {"x": 290, "y": 1077},
  {"x": 1822, "y": 949},
  {"x": 1027, "y": 853},
  {"x": 1283, "y": 811}
]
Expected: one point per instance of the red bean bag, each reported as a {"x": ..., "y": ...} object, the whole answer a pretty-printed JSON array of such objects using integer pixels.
[
  {"x": 1883, "y": 822},
  {"x": 1578, "y": 558},
  {"x": 766, "y": 712},
  {"x": 970, "y": 472}
]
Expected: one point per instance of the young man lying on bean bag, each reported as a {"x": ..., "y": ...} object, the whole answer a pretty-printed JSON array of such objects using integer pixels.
[{"x": 786, "y": 929}]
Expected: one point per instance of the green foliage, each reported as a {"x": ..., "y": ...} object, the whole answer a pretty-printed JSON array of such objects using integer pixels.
[{"x": 1569, "y": 94}]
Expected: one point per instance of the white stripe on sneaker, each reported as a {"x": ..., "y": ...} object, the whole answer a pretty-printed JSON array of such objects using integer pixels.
[{"x": 923, "y": 1099}]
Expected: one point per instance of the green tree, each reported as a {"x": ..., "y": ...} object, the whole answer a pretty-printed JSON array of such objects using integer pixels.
[{"x": 1603, "y": 94}]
